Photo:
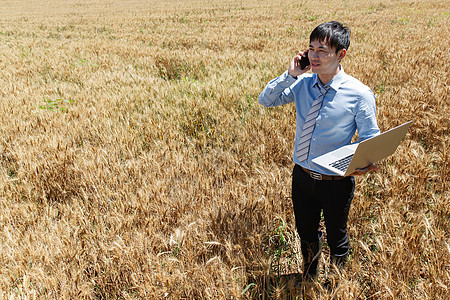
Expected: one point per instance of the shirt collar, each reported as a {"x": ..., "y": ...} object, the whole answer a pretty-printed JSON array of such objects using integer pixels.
[{"x": 335, "y": 83}]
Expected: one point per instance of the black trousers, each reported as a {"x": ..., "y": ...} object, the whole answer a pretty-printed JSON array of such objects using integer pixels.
[{"x": 310, "y": 197}]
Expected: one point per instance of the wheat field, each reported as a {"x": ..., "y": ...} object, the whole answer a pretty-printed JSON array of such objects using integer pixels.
[{"x": 136, "y": 163}]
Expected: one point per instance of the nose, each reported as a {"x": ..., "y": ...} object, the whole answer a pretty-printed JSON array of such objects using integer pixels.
[{"x": 313, "y": 54}]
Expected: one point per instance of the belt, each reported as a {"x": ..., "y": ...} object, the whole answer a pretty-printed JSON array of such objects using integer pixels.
[{"x": 318, "y": 176}]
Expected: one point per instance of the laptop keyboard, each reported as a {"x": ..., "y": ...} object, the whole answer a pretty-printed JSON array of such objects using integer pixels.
[{"x": 343, "y": 163}]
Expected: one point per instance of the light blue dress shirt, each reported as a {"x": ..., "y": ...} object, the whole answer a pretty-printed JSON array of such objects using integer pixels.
[{"x": 349, "y": 105}]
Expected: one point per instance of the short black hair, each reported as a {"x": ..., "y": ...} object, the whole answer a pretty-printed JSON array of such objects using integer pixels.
[{"x": 332, "y": 33}]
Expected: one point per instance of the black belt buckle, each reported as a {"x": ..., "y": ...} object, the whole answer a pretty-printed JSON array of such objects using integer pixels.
[{"x": 315, "y": 175}]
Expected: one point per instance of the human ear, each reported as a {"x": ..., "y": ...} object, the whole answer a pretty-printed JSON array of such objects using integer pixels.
[{"x": 341, "y": 54}]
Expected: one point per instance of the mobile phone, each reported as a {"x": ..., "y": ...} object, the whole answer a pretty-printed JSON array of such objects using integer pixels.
[{"x": 304, "y": 61}]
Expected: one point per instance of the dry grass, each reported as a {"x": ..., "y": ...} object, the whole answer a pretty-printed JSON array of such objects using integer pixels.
[{"x": 135, "y": 161}]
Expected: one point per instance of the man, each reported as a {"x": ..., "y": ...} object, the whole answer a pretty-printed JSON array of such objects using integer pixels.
[{"x": 331, "y": 106}]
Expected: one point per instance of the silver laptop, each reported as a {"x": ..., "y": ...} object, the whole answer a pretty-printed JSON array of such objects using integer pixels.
[{"x": 345, "y": 160}]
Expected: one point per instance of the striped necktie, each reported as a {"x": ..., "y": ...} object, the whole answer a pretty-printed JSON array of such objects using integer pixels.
[{"x": 310, "y": 124}]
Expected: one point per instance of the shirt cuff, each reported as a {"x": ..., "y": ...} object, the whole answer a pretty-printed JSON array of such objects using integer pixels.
[{"x": 288, "y": 79}]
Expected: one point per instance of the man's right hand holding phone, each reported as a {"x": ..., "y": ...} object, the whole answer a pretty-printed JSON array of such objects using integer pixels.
[{"x": 299, "y": 64}]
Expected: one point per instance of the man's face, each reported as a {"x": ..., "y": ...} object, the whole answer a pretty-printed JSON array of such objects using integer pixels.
[{"x": 324, "y": 59}]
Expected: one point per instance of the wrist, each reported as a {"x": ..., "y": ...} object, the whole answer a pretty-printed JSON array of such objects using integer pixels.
[{"x": 292, "y": 75}]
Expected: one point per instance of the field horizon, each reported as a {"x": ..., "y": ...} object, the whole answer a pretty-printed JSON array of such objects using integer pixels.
[{"x": 136, "y": 162}]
